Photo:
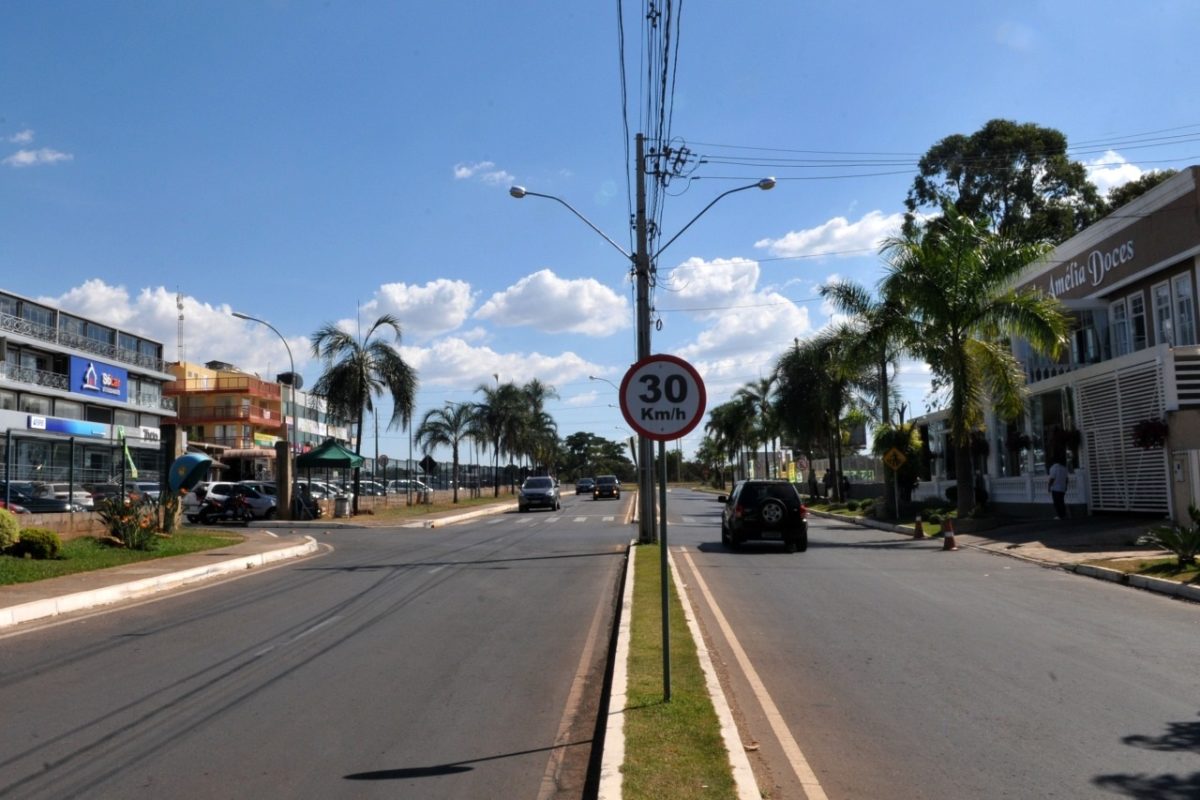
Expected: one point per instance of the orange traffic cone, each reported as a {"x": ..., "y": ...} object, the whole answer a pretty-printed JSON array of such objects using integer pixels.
[
  {"x": 918, "y": 531},
  {"x": 948, "y": 542}
]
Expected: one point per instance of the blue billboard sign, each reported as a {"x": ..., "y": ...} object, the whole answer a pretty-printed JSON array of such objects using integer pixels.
[
  {"x": 97, "y": 379},
  {"x": 71, "y": 427}
]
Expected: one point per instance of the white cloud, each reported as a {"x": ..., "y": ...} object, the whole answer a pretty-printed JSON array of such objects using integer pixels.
[
  {"x": 456, "y": 363},
  {"x": 22, "y": 137},
  {"x": 699, "y": 283},
  {"x": 837, "y": 237},
  {"x": 1111, "y": 170},
  {"x": 33, "y": 158},
  {"x": 554, "y": 305},
  {"x": 485, "y": 171},
  {"x": 424, "y": 311}
]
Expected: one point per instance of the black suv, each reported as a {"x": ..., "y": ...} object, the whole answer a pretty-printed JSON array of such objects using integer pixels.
[{"x": 765, "y": 510}]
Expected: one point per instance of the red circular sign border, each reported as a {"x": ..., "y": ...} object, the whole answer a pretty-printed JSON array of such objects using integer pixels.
[{"x": 658, "y": 437}]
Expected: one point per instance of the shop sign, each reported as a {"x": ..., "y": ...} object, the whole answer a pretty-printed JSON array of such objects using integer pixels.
[
  {"x": 150, "y": 434},
  {"x": 97, "y": 379},
  {"x": 70, "y": 427},
  {"x": 1091, "y": 271}
]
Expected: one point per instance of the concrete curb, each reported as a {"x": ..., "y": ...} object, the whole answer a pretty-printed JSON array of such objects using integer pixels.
[
  {"x": 466, "y": 515},
  {"x": 613, "y": 756},
  {"x": 78, "y": 601}
]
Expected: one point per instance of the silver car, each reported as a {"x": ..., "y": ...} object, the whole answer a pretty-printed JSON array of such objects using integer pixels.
[{"x": 261, "y": 505}]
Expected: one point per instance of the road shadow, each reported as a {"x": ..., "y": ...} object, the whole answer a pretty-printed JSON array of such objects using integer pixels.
[
  {"x": 1179, "y": 737},
  {"x": 474, "y": 563},
  {"x": 453, "y": 768}
]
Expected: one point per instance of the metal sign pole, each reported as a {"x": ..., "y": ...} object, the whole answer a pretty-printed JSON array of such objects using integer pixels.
[{"x": 662, "y": 558}]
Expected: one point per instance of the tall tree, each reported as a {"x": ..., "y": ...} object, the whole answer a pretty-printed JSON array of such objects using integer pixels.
[
  {"x": 1017, "y": 176},
  {"x": 500, "y": 417},
  {"x": 756, "y": 397},
  {"x": 447, "y": 427},
  {"x": 356, "y": 371},
  {"x": 878, "y": 328},
  {"x": 1128, "y": 192},
  {"x": 955, "y": 280}
]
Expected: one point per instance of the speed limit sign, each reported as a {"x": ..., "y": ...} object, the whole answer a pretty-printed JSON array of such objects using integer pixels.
[{"x": 662, "y": 397}]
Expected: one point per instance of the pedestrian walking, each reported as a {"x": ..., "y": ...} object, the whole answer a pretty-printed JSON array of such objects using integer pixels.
[{"x": 1058, "y": 487}]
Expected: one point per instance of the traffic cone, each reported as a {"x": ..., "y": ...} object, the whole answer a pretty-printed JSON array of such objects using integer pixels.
[
  {"x": 948, "y": 542},
  {"x": 918, "y": 531}
]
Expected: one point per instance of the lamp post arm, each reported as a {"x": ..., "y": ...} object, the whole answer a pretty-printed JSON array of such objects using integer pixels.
[
  {"x": 520, "y": 191},
  {"x": 765, "y": 183}
]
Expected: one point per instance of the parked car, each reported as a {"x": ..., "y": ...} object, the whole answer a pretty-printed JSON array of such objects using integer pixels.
[
  {"x": 766, "y": 511},
  {"x": 63, "y": 491},
  {"x": 21, "y": 493},
  {"x": 584, "y": 486},
  {"x": 405, "y": 485},
  {"x": 607, "y": 486},
  {"x": 539, "y": 491},
  {"x": 13, "y": 507},
  {"x": 261, "y": 505}
]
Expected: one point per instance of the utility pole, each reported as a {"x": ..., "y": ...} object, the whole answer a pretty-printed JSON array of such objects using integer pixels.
[{"x": 641, "y": 266}]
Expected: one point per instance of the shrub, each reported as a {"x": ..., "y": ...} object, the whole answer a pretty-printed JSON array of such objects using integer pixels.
[
  {"x": 933, "y": 516},
  {"x": 852, "y": 505},
  {"x": 39, "y": 543},
  {"x": 1183, "y": 542},
  {"x": 10, "y": 529},
  {"x": 132, "y": 524}
]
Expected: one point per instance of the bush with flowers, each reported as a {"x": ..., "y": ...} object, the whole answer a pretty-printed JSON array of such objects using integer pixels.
[{"x": 131, "y": 521}]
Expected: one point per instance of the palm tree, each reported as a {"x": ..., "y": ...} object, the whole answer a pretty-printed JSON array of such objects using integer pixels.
[
  {"x": 356, "y": 371},
  {"x": 877, "y": 331},
  {"x": 954, "y": 279},
  {"x": 540, "y": 431},
  {"x": 756, "y": 396},
  {"x": 499, "y": 418},
  {"x": 729, "y": 425},
  {"x": 446, "y": 427}
]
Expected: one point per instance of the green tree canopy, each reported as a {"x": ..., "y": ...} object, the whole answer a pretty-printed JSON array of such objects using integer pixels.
[{"x": 1016, "y": 175}]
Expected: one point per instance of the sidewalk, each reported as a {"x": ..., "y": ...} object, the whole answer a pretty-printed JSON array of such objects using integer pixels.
[
  {"x": 265, "y": 543},
  {"x": 1066, "y": 544}
]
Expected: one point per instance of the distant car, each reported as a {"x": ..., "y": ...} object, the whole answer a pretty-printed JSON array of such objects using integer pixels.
[
  {"x": 766, "y": 511},
  {"x": 13, "y": 507},
  {"x": 405, "y": 486},
  {"x": 539, "y": 491},
  {"x": 584, "y": 486},
  {"x": 261, "y": 505},
  {"x": 607, "y": 486}
]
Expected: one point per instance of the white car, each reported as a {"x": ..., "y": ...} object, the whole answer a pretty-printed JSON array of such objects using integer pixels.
[
  {"x": 261, "y": 505},
  {"x": 62, "y": 491}
]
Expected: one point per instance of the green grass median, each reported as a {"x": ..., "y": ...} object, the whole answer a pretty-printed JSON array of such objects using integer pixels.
[
  {"x": 88, "y": 553},
  {"x": 672, "y": 750}
]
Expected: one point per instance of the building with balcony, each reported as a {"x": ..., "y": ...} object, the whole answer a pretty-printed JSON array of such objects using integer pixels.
[
  {"x": 70, "y": 389},
  {"x": 238, "y": 417},
  {"x": 1122, "y": 404}
]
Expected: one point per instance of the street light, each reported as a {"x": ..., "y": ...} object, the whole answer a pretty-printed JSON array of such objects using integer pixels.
[
  {"x": 642, "y": 262},
  {"x": 285, "y": 480}
]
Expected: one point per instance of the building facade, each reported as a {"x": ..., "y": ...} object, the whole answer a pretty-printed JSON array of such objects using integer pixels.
[
  {"x": 238, "y": 418},
  {"x": 1122, "y": 405},
  {"x": 73, "y": 391}
]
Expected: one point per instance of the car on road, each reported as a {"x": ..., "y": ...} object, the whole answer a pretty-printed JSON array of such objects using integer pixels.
[
  {"x": 21, "y": 493},
  {"x": 607, "y": 486},
  {"x": 585, "y": 486},
  {"x": 539, "y": 491},
  {"x": 764, "y": 510},
  {"x": 263, "y": 506}
]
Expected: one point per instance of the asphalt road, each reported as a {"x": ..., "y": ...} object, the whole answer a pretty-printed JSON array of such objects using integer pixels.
[
  {"x": 463, "y": 661},
  {"x": 905, "y": 672}
]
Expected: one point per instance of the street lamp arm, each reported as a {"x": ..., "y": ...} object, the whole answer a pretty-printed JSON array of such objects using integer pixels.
[
  {"x": 764, "y": 184},
  {"x": 520, "y": 191},
  {"x": 291, "y": 361}
]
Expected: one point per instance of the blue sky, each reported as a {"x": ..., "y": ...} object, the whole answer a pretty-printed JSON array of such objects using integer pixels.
[{"x": 305, "y": 162}]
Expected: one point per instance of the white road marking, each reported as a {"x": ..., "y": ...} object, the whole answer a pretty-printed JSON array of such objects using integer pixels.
[
  {"x": 791, "y": 750},
  {"x": 438, "y": 569},
  {"x": 609, "y": 519},
  {"x": 581, "y": 519},
  {"x": 688, "y": 520}
]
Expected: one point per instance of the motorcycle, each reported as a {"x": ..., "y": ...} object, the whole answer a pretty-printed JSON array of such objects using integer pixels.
[{"x": 233, "y": 508}]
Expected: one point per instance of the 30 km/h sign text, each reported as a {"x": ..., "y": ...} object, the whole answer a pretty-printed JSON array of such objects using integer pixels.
[{"x": 662, "y": 397}]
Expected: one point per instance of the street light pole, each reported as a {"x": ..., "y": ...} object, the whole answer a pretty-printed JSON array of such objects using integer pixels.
[
  {"x": 643, "y": 263},
  {"x": 284, "y": 479}
]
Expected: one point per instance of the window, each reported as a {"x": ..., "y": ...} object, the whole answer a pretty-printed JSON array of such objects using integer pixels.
[
  {"x": 8, "y": 401},
  {"x": 1137, "y": 321},
  {"x": 1118, "y": 313},
  {"x": 68, "y": 409},
  {"x": 1162, "y": 314},
  {"x": 32, "y": 404},
  {"x": 127, "y": 418},
  {"x": 1185, "y": 316}
]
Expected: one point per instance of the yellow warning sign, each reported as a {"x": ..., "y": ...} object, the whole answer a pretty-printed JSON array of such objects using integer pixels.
[{"x": 894, "y": 459}]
